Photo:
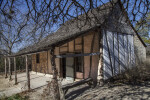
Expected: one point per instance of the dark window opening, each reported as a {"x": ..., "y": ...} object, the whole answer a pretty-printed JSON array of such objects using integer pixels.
[
  {"x": 37, "y": 58},
  {"x": 64, "y": 67},
  {"x": 78, "y": 64}
]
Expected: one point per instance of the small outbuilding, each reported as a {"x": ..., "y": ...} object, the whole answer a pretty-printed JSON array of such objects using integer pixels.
[{"x": 99, "y": 47}]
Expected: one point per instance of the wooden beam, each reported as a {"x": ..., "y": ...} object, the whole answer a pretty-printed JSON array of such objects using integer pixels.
[
  {"x": 118, "y": 53},
  {"x": 92, "y": 47},
  {"x": 9, "y": 68},
  {"x": 100, "y": 66},
  {"x": 5, "y": 68},
  {"x": 114, "y": 53},
  {"x": 15, "y": 70},
  {"x": 27, "y": 73},
  {"x": 47, "y": 64},
  {"x": 127, "y": 52},
  {"x": 83, "y": 56},
  {"x": 77, "y": 55},
  {"x": 30, "y": 53}
]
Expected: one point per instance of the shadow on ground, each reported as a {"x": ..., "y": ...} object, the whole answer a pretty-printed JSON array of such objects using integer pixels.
[{"x": 75, "y": 93}]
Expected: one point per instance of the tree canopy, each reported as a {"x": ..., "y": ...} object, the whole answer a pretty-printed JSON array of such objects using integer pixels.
[
  {"x": 28, "y": 21},
  {"x": 143, "y": 28}
]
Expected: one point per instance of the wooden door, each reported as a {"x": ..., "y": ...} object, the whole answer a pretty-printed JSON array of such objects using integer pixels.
[{"x": 70, "y": 67}]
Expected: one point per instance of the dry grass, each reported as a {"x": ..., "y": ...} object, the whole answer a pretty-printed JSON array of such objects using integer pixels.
[{"x": 136, "y": 75}]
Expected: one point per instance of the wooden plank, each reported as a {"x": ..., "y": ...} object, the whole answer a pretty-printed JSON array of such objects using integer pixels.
[
  {"x": 77, "y": 55},
  {"x": 30, "y": 53},
  {"x": 47, "y": 64},
  {"x": 118, "y": 53},
  {"x": 129, "y": 51},
  {"x": 121, "y": 52},
  {"x": 126, "y": 51},
  {"x": 5, "y": 68},
  {"x": 74, "y": 46},
  {"x": 83, "y": 57},
  {"x": 110, "y": 39},
  {"x": 132, "y": 51},
  {"x": 113, "y": 53},
  {"x": 27, "y": 73},
  {"x": 109, "y": 54},
  {"x": 15, "y": 70}
]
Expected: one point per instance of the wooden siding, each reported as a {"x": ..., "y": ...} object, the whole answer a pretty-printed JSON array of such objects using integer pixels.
[{"x": 118, "y": 53}]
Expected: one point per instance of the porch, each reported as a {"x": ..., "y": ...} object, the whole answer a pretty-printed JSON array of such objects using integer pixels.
[{"x": 37, "y": 82}]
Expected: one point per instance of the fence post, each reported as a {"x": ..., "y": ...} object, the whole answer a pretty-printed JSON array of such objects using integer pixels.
[
  {"x": 15, "y": 70},
  {"x": 27, "y": 73},
  {"x": 5, "y": 68},
  {"x": 9, "y": 68}
]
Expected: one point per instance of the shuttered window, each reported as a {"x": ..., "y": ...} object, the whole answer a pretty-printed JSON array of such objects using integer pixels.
[{"x": 37, "y": 58}]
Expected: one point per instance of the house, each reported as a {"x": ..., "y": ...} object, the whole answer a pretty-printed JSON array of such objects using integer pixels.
[{"x": 99, "y": 47}]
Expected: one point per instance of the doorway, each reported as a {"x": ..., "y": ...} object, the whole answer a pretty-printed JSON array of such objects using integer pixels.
[{"x": 68, "y": 68}]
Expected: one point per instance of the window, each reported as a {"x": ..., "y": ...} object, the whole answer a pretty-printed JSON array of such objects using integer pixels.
[
  {"x": 78, "y": 63},
  {"x": 37, "y": 58}
]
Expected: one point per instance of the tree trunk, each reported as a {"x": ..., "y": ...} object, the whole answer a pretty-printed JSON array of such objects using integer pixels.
[
  {"x": 9, "y": 69},
  {"x": 28, "y": 74},
  {"x": 53, "y": 91},
  {"x": 15, "y": 70},
  {"x": 55, "y": 85},
  {"x": 5, "y": 68}
]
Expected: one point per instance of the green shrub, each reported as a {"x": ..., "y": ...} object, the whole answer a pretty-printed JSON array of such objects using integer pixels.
[{"x": 14, "y": 97}]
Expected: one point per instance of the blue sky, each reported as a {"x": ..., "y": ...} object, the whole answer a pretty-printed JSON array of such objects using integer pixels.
[{"x": 24, "y": 9}]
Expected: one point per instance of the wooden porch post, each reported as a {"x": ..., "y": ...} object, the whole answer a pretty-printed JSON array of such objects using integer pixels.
[
  {"x": 27, "y": 73},
  {"x": 15, "y": 70},
  {"x": 5, "y": 68},
  {"x": 9, "y": 69}
]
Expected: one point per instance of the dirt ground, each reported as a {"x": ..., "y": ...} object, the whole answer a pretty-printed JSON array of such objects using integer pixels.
[
  {"x": 122, "y": 92},
  {"x": 106, "y": 92},
  {"x": 38, "y": 82},
  {"x": 83, "y": 92},
  {"x": 7, "y": 87}
]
